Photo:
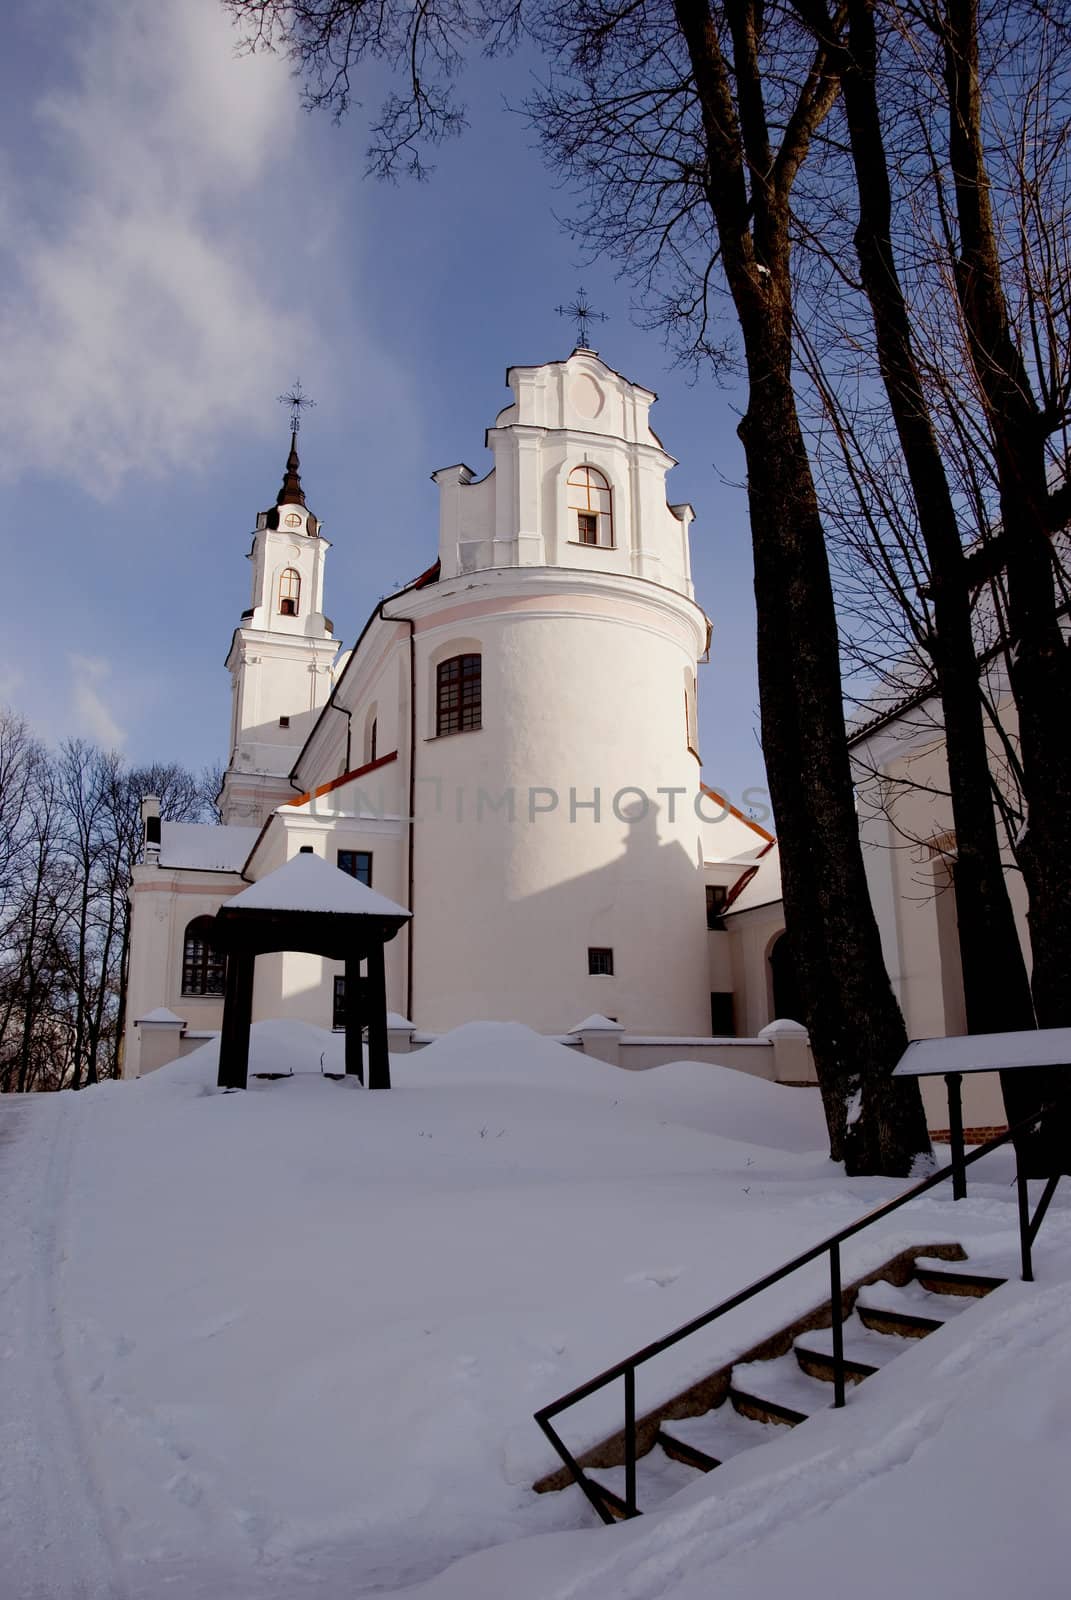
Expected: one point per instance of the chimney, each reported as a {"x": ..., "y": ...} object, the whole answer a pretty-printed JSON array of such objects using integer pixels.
[{"x": 150, "y": 823}]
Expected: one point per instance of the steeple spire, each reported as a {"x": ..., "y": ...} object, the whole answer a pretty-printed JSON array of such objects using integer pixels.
[{"x": 291, "y": 493}]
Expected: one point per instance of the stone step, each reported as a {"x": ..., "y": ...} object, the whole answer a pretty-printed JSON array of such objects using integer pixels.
[
  {"x": 718, "y": 1435},
  {"x": 948, "y": 1279},
  {"x": 907, "y": 1309},
  {"x": 777, "y": 1391},
  {"x": 658, "y": 1476},
  {"x": 686, "y": 1454},
  {"x": 865, "y": 1351},
  {"x": 903, "y": 1324}
]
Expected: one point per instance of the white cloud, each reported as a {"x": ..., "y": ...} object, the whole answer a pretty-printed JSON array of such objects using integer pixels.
[
  {"x": 93, "y": 719},
  {"x": 156, "y": 241}
]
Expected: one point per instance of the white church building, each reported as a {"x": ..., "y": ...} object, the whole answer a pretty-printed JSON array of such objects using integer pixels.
[{"x": 510, "y": 751}]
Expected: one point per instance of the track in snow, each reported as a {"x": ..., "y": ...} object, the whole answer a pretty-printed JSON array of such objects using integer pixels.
[{"x": 55, "y": 1539}]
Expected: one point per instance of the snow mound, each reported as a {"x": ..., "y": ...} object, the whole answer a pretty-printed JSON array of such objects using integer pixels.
[
  {"x": 277, "y": 1046},
  {"x": 497, "y": 1049},
  {"x": 690, "y": 1094},
  {"x": 507, "y": 1057},
  {"x": 734, "y": 1105}
]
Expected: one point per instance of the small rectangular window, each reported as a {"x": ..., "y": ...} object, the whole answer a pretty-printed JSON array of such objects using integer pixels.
[
  {"x": 358, "y": 863},
  {"x": 722, "y": 1021},
  {"x": 717, "y": 894},
  {"x": 284, "y": 722},
  {"x": 588, "y": 527},
  {"x": 600, "y": 962}
]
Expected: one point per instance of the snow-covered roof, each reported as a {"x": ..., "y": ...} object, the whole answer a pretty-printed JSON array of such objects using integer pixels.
[
  {"x": 205, "y": 846},
  {"x": 986, "y": 1052},
  {"x": 160, "y": 1014},
  {"x": 597, "y": 1023},
  {"x": 309, "y": 883},
  {"x": 763, "y": 888}
]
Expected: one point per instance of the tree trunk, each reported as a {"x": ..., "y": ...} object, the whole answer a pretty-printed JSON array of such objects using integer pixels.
[
  {"x": 995, "y": 981},
  {"x": 876, "y": 1123},
  {"x": 1040, "y": 659}
]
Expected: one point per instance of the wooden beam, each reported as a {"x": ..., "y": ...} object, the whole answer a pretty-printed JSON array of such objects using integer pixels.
[
  {"x": 378, "y": 1059},
  {"x": 237, "y": 1019},
  {"x": 354, "y": 1018}
]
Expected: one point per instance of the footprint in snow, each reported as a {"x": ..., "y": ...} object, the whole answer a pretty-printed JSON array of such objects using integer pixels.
[
  {"x": 661, "y": 1277},
  {"x": 185, "y": 1487}
]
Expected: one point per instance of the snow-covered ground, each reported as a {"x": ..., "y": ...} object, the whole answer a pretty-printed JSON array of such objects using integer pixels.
[{"x": 289, "y": 1343}]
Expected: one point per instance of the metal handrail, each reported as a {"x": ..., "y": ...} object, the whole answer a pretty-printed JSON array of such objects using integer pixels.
[{"x": 626, "y": 1368}]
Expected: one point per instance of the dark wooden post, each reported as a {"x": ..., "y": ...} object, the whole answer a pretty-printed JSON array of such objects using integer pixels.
[
  {"x": 354, "y": 1018},
  {"x": 954, "y": 1081},
  {"x": 237, "y": 1018},
  {"x": 378, "y": 1060}
]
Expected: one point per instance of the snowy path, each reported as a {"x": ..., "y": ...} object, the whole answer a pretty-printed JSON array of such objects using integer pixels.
[
  {"x": 56, "y": 1541},
  {"x": 287, "y": 1345}
]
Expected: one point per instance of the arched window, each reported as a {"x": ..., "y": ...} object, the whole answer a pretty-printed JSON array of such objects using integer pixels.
[
  {"x": 787, "y": 1005},
  {"x": 203, "y": 967},
  {"x": 289, "y": 593},
  {"x": 458, "y": 694},
  {"x": 590, "y": 504}
]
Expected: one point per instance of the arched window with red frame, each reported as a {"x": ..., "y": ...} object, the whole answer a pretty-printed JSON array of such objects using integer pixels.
[
  {"x": 289, "y": 592},
  {"x": 591, "y": 507}
]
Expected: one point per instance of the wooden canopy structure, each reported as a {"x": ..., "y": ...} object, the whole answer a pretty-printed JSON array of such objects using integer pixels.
[
  {"x": 1035, "y": 1070},
  {"x": 311, "y": 906}
]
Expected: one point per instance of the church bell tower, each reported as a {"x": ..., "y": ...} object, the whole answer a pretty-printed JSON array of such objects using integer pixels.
[{"x": 282, "y": 653}]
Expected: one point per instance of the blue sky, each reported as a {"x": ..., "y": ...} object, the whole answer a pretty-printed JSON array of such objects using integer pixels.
[{"x": 181, "y": 240}]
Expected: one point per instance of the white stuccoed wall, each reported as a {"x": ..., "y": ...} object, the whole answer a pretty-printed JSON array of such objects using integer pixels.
[{"x": 585, "y": 652}]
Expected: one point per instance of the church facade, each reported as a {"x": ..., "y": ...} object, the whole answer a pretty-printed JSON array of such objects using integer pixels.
[{"x": 510, "y": 750}]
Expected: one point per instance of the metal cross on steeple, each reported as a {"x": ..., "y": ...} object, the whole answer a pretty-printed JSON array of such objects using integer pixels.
[
  {"x": 581, "y": 312},
  {"x": 298, "y": 401}
]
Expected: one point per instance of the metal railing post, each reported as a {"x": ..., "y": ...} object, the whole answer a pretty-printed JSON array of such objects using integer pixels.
[
  {"x": 608, "y": 1507},
  {"x": 630, "y": 1441},
  {"x": 837, "y": 1307},
  {"x": 954, "y": 1080},
  {"x": 1025, "y": 1241}
]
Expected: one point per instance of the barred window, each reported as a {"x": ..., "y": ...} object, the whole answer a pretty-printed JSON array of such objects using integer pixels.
[
  {"x": 600, "y": 962},
  {"x": 203, "y": 967},
  {"x": 458, "y": 694}
]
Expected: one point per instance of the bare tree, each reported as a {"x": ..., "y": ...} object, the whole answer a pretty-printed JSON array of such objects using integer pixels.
[
  {"x": 996, "y": 985},
  {"x": 686, "y": 125},
  {"x": 71, "y": 831},
  {"x": 1031, "y": 506}
]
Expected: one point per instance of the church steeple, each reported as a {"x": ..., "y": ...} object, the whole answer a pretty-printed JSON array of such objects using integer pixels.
[
  {"x": 283, "y": 650},
  {"x": 291, "y": 493}
]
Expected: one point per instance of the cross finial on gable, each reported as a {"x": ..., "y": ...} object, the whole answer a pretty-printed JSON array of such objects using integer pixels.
[
  {"x": 298, "y": 401},
  {"x": 581, "y": 312}
]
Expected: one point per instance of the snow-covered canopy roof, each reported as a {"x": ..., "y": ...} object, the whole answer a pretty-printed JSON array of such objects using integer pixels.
[
  {"x": 986, "y": 1052},
  {"x": 309, "y": 883},
  {"x": 763, "y": 888},
  {"x": 205, "y": 846}
]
